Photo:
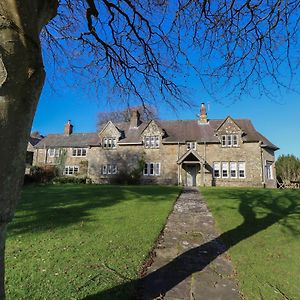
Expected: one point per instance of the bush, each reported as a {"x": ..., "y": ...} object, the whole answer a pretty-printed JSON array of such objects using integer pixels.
[
  {"x": 124, "y": 177},
  {"x": 70, "y": 179},
  {"x": 42, "y": 174}
]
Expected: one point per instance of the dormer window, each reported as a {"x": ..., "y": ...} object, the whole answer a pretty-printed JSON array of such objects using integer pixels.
[
  {"x": 152, "y": 141},
  {"x": 229, "y": 140},
  {"x": 191, "y": 145},
  {"x": 109, "y": 143}
]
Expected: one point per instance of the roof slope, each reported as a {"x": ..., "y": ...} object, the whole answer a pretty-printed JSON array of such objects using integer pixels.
[
  {"x": 176, "y": 131},
  {"x": 72, "y": 140}
]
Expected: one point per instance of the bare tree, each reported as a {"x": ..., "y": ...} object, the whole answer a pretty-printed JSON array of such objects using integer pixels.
[
  {"x": 141, "y": 47},
  {"x": 147, "y": 113}
]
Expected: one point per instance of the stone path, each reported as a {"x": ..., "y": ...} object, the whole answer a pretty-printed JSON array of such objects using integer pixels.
[{"x": 190, "y": 261}]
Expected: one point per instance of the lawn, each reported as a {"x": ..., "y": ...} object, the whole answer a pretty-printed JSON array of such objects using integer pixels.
[
  {"x": 83, "y": 241},
  {"x": 262, "y": 229}
]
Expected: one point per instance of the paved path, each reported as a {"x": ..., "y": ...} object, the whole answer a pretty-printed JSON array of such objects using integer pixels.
[{"x": 190, "y": 261}]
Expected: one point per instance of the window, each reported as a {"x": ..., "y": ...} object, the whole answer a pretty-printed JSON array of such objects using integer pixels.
[
  {"x": 233, "y": 167},
  {"x": 109, "y": 169},
  {"x": 151, "y": 141},
  {"x": 269, "y": 170},
  {"x": 224, "y": 169},
  {"x": 224, "y": 140},
  {"x": 152, "y": 169},
  {"x": 234, "y": 140},
  {"x": 191, "y": 145},
  {"x": 52, "y": 152},
  {"x": 217, "y": 167},
  {"x": 229, "y": 140},
  {"x": 242, "y": 171},
  {"x": 109, "y": 143},
  {"x": 71, "y": 170},
  {"x": 79, "y": 152},
  {"x": 229, "y": 169}
]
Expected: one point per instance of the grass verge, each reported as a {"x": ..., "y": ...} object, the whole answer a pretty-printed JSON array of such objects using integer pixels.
[
  {"x": 80, "y": 241},
  {"x": 262, "y": 229}
]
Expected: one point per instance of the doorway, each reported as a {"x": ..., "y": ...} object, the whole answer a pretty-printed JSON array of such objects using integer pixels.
[{"x": 191, "y": 174}]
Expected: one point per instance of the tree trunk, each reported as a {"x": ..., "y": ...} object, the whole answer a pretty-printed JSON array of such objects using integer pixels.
[{"x": 21, "y": 80}]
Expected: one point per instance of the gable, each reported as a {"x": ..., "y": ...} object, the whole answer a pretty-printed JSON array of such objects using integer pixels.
[
  {"x": 152, "y": 129},
  {"x": 109, "y": 130},
  {"x": 228, "y": 126}
]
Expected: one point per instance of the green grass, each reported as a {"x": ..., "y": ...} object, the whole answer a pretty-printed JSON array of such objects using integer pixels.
[
  {"x": 78, "y": 242},
  {"x": 262, "y": 229}
]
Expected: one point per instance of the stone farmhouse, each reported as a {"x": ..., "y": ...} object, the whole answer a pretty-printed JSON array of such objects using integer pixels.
[{"x": 208, "y": 152}]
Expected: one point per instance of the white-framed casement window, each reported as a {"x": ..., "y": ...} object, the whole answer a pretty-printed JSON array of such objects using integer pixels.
[
  {"x": 269, "y": 170},
  {"x": 235, "y": 140},
  {"x": 71, "y": 170},
  {"x": 53, "y": 152},
  {"x": 242, "y": 169},
  {"x": 109, "y": 143},
  {"x": 217, "y": 169},
  {"x": 79, "y": 152},
  {"x": 233, "y": 169},
  {"x": 191, "y": 145},
  {"x": 109, "y": 169},
  {"x": 152, "y": 169},
  {"x": 152, "y": 141},
  {"x": 229, "y": 140},
  {"x": 224, "y": 169}
]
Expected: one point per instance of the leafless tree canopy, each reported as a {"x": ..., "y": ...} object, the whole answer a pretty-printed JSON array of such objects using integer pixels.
[
  {"x": 146, "y": 47},
  {"x": 147, "y": 113}
]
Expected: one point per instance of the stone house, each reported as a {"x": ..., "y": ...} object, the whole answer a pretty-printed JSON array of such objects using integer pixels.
[{"x": 208, "y": 152}]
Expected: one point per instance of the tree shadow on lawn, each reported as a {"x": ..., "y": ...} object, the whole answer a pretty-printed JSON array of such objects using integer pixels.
[
  {"x": 48, "y": 207},
  {"x": 260, "y": 210}
]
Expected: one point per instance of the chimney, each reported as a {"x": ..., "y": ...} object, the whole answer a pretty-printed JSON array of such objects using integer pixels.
[
  {"x": 68, "y": 128},
  {"x": 203, "y": 114},
  {"x": 135, "y": 119}
]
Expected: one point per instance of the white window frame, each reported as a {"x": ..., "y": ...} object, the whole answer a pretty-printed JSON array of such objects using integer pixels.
[
  {"x": 216, "y": 167},
  {"x": 152, "y": 142},
  {"x": 53, "y": 152},
  {"x": 71, "y": 170},
  {"x": 269, "y": 170},
  {"x": 79, "y": 152},
  {"x": 152, "y": 169},
  {"x": 235, "y": 140},
  {"x": 109, "y": 169},
  {"x": 191, "y": 145},
  {"x": 224, "y": 168},
  {"x": 233, "y": 167},
  {"x": 109, "y": 143},
  {"x": 230, "y": 140},
  {"x": 241, "y": 167}
]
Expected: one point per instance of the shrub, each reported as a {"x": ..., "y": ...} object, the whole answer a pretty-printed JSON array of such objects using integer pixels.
[
  {"x": 70, "y": 179},
  {"x": 41, "y": 174}
]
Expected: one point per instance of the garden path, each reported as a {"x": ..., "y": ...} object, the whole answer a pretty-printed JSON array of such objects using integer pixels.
[{"x": 189, "y": 261}]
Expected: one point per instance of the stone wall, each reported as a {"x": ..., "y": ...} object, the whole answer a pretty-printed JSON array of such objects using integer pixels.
[{"x": 127, "y": 158}]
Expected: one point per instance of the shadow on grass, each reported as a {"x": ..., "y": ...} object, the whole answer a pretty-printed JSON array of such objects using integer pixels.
[
  {"x": 260, "y": 209},
  {"x": 48, "y": 207}
]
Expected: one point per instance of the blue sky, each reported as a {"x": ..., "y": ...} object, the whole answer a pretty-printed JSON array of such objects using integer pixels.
[{"x": 278, "y": 120}]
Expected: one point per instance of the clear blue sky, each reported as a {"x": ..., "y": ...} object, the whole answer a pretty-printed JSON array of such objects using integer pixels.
[{"x": 278, "y": 120}]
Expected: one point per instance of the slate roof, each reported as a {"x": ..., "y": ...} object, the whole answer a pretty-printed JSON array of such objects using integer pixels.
[
  {"x": 33, "y": 141},
  {"x": 176, "y": 131},
  {"x": 72, "y": 140}
]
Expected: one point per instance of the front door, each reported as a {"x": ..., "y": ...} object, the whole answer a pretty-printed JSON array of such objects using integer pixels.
[{"x": 191, "y": 173}]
